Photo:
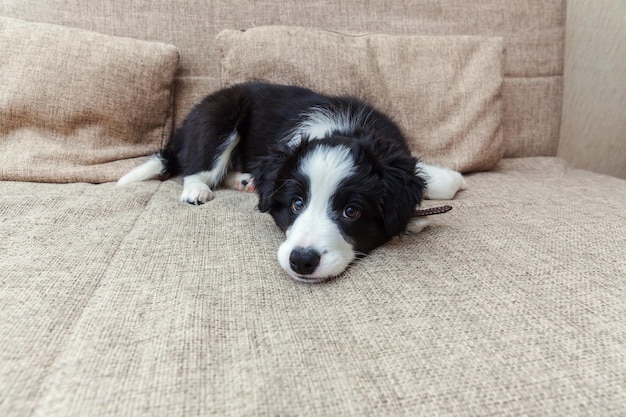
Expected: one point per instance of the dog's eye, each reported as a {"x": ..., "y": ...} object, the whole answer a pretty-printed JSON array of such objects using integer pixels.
[
  {"x": 297, "y": 205},
  {"x": 351, "y": 213}
]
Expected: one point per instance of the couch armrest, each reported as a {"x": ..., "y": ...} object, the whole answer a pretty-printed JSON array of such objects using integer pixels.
[{"x": 593, "y": 126}]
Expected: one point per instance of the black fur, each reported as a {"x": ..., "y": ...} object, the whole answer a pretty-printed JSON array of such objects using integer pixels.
[
  {"x": 385, "y": 186},
  {"x": 261, "y": 114}
]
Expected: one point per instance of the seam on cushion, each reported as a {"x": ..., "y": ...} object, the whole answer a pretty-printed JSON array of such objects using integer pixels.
[
  {"x": 51, "y": 376},
  {"x": 530, "y": 77},
  {"x": 197, "y": 77},
  {"x": 132, "y": 227}
]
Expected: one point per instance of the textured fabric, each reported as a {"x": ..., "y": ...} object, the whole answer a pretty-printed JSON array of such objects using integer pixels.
[
  {"x": 78, "y": 106},
  {"x": 123, "y": 301},
  {"x": 593, "y": 136},
  {"x": 126, "y": 302},
  {"x": 519, "y": 134},
  {"x": 450, "y": 115},
  {"x": 533, "y": 31}
]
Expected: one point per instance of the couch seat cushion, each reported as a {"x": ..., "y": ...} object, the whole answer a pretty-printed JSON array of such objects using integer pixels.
[{"x": 125, "y": 301}]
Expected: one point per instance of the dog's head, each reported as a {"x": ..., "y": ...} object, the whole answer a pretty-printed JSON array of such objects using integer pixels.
[{"x": 336, "y": 199}]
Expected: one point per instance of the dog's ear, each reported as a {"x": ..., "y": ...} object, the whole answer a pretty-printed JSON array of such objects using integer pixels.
[
  {"x": 265, "y": 173},
  {"x": 403, "y": 187}
]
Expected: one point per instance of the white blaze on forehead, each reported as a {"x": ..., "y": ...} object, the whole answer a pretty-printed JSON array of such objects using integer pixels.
[{"x": 325, "y": 167}]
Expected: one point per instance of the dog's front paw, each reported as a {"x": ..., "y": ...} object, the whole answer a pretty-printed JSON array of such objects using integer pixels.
[{"x": 196, "y": 193}]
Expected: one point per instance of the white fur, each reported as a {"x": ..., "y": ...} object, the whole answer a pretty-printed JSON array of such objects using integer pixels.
[
  {"x": 314, "y": 229},
  {"x": 442, "y": 183},
  {"x": 150, "y": 169},
  {"x": 417, "y": 225},
  {"x": 236, "y": 180},
  {"x": 197, "y": 187},
  {"x": 319, "y": 123}
]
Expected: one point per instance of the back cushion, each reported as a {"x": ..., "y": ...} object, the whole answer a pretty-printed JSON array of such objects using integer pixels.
[
  {"x": 77, "y": 105},
  {"x": 443, "y": 91},
  {"x": 533, "y": 33}
]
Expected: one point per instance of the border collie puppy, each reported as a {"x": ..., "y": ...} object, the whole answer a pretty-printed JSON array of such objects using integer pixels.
[{"x": 335, "y": 174}]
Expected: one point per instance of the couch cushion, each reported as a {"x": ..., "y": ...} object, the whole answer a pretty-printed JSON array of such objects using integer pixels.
[
  {"x": 77, "y": 105},
  {"x": 126, "y": 302},
  {"x": 533, "y": 33},
  {"x": 443, "y": 91}
]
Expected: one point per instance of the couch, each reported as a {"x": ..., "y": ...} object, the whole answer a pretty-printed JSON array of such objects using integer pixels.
[{"x": 125, "y": 301}]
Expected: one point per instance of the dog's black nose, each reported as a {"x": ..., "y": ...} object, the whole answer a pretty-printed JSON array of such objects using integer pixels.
[{"x": 303, "y": 261}]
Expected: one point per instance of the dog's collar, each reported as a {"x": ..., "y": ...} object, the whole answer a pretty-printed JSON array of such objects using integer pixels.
[{"x": 431, "y": 211}]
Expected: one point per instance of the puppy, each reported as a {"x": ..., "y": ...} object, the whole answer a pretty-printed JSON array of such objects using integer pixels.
[{"x": 336, "y": 174}]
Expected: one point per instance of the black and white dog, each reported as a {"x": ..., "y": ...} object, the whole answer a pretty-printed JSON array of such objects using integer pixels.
[{"x": 335, "y": 174}]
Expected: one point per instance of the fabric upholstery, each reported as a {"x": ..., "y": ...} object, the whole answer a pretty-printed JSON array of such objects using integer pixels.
[
  {"x": 126, "y": 302},
  {"x": 444, "y": 92},
  {"x": 77, "y": 105},
  {"x": 123, "y": 301},
  {"x": 533, "y": 33},
  {"x": 593, "y": 135}
]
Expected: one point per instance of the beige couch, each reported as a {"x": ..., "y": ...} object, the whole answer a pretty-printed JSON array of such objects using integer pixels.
[{"x": 123, "y": 301}]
